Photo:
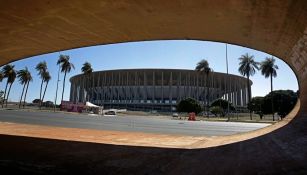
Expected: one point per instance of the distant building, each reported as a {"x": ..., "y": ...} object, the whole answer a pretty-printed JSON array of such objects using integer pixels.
[{"x": 155, "y": 89}]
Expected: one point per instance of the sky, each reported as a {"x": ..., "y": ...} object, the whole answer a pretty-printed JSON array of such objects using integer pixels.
[{"x": 178, "y": 54}]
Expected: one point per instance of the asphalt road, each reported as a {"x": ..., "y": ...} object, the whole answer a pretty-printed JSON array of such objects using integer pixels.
[{"x": 129, "y": 123}]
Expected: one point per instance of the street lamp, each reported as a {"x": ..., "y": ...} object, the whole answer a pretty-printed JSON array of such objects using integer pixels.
[{"x": 57, "y": 86}]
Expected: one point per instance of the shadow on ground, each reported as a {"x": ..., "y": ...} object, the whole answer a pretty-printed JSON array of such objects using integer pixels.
[{"x": 283, "y": 151}]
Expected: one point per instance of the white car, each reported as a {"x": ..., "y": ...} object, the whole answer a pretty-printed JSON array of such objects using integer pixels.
[
  {"x": 175, "y": 115},
  {"x": 113, "y": 113}
]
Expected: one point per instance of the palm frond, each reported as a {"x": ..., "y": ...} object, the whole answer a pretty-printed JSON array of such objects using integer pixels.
[
  {"x": 24, "y": 76},
  {"x": 268, "y": 67},
  {"x": 87, "y": 68},
  {"x": 46, "y": 76},
  {"x": 247, "y": 65},
  {"x": 203, "y": 66}
]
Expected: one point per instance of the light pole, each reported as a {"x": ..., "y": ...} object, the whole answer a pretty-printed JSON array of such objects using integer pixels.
[
  {"x": 57, "y": 86},
  {"x": 227, "y": 83}
]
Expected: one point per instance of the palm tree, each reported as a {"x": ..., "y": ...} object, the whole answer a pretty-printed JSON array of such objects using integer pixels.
[
  {"x": 248, "y": 67},
  {"x": 47, "y": 77},
  {"x": 1, "y": 92},
  {"x": 24, "y": 76},
  {"x": 24, "y": 100},
  {"x": 268, "y": 69},
  {"x": 66, "y": 67},
  {"x": 1, "y": 76},
  {"x": 203, "y": 67},
  {"x": 41, "y": 67},
  {"x": 9, "y": 73},
  {"x": 87, "y": 71}
]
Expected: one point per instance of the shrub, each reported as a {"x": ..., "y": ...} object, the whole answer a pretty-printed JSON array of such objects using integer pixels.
[
  {"x": 223, "y": 104},
  {"x": 256, "y": 105},
  {"x": 283, "y": 102},
  {"x": 217, "y": 111},
  {"x": 189, "y": 105}
]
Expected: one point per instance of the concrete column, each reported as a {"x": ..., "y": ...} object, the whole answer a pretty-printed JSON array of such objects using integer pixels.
[
  {"x": 70, "y": 92},
  {"x": 170, "y": 87},
  {"x": 134, "y": 87},
  {"x": 153, "y": 87},
  {"x": 162, "y": 95},
  {"x": 112, "y": 88},
  {"x": 145, "y": 87},
  {"x": 126, "y": 89},
  {"x": 118, "y": 88},
  {"x": 97, "y": 88},
  {"x": 180, "y": 85},
  {"x": 244, "y": 96},
  {"x": 197, "y": 86},
  {"x": 105, "y": 88}
]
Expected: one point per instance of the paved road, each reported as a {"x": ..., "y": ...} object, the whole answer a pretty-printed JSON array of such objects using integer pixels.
[{"x": 129, "y": 123}]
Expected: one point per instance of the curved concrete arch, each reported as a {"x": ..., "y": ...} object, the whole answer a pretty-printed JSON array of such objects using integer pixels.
[{"x": 277, "y": 27}]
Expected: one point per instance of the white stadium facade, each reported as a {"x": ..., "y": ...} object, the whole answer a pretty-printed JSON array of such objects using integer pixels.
[{"x": 156, "y": 89}]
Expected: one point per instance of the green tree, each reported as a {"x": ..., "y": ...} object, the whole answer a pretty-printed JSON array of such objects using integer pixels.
[
  {"x": 41, "y": 67},
  {"x": 66, "y": 67},
  {"x": 87, "y": 71},
  {"x": 248, "y": 67},
  {"x": 256, "y": 105},
  {"x": 24, "y": 77},
  {"x": 9, "y": 73},
  {"x": 268, "y": 69},
  {"x": 47, "y": 77},
  {"x": 217, "y": 111},
  {"x": 283, "y": 100},
  {"x": 223, "y": 105},
  {"x": 189, "y": 105},
  {"x": 203, "y": 68}
]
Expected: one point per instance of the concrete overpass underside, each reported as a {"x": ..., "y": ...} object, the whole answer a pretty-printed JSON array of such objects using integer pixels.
[{"x": 34, "y": 27}]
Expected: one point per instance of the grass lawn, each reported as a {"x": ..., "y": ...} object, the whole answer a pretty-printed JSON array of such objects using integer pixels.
[{"x": 240, "y": 117}]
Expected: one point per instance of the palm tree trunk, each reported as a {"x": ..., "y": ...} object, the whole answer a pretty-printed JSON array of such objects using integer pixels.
[
  {"x": 23, "y": 89},
  {"x": 40, "y": 94},
  {"x": 249, "y": 96},
  {"x": 272, "y": 97},
  {"x": 56, "y": 91},
  {"x": 92, "y": 90},
  {"x": 24, "y": 100},
  {"x": 8, "y": 93},
  {"x": 87, "y": 87},
  {"x": 63, "y": 86},
  {"x": 4, "y": 93},
  {"x": 271, "y": 83},
  {"x": 45, "y": 91},
  {"x": 207, "y": 98},
  {"x": 84, "y": 90}
]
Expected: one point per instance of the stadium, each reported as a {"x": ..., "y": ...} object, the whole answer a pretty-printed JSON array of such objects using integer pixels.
[{"x": 156, "y": 89}]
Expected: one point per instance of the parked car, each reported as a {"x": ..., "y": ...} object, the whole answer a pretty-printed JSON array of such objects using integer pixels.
[
  {"x": 175, "y": 115},
  {"x": 110, "y": 113}
]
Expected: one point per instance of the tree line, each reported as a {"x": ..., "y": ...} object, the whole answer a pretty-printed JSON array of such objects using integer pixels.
[
  {"x": 247, "y": 68},
  {"x": 24, "y": 77}
]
